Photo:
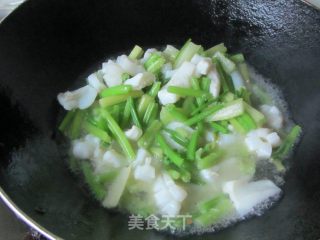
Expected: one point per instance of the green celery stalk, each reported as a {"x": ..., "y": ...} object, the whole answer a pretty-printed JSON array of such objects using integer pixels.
[
  {"x": 126, "y": 114},
  {"x": 196, "y": 86},
  {"x": 95, "y": 131},
  {"x": 144, "y": 102},
  {"x": 170, "y": 53},
  {"x": 230, "y": 110},
  {"x": 237, "y": 58},
  {"x": 193, "y": 144},
  {"x": 209, "y": 161},
  {"x": 204, "y": 114},
  {"x": 148, "y": 113},
  {"x": 257, "y": 116},
  {"x": 154, "y": 63},
  {"x": 116, "y": 90},
  {"x": 186, "y": 53},
  {"x": 186, "y": 92},
  {"x": 134, "y": 115},
  {"x": 176, "y": 136},
  {"x": 205, "y": 84},
  {"x": 243, "y": 69},
  {"x": 75, "y": 128},
  {"x": 149, "y": 135},
  {"x": 171, "y": 154},
  {"x": 118, "y": 134},
  {"x": 155, "y": 89},
  {"x": 227, "y": 65},
  {"x": 217, "y": 48},
  {"x": 219, "y": 128},
  {"x": 67, "y": 120},
  {"x": 171, "y": 113},
  {"x": 112, "y": 100},
  {"x": 136, "y": 52}
]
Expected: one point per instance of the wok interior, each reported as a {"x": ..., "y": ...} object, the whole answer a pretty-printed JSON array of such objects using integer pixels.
[{"x": 46, "y": 46}]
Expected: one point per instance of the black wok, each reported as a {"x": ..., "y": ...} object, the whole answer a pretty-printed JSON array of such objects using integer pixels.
[{"x": 47, "y": 45}]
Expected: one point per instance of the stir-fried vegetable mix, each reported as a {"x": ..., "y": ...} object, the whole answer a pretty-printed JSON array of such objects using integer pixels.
[{"x": 176, "y": 132}]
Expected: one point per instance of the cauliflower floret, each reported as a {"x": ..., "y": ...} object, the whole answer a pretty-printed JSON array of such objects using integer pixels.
[
  {"x": 129, "y": 65},
  {"x": 245, "y": 196},
  {"x": 112, "y": 73},
  {"x": 81, "y": 98},
  {"x": 168, "y": 195},
  {"x": 273, "y": 115},
  {"x": 134, "y": 133},
  {"x": 141, "y": 80},
  {"x": 261, "y": 142}
]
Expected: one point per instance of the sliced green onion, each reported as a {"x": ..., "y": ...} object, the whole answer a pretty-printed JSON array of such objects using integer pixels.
[
  {"x": 217, "y": 48},
  {"x": 154, "y": 63},
  {"x": 136, "y": 52},
  {"x": 116, "y": 90},
  {"x": 149, "y": 135},
  {"x": 227, "y": 65},
  {"x": 75, "y": 128},
  {"x": 134, "y": 115},
  {"x": 67, "y": 120},
  {"x": 155, "y": 89},
  {"x": 95, "y": 131},
  {"x": 181, "y": 91},
  {"x": 118, "y": 134},
  {"x": 209, "y": 161},
  {"x": 201, "y": 116},
  {"x": 237, "y": 58},
  {"x": 171, "y": 154},
  {"x": 112, "y": 100},
  {"x": 230, "y": 110},
  {"x": 186, "y": 53}
]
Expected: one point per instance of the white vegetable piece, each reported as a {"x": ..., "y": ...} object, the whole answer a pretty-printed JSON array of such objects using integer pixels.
[
  {"x": 233, "y": 109},
  {"x": 196, "y": 59},
  {"x": 112, "y": 73},
  {"x": 141, "y": 80},
  {"x": 215, "y": 84},
  {"x": 180, "y": 78},
  {"x": 85, "y": 148},
  {"x": 168, "y": 195},
  {"x": 273, "y": 115},
  {"x": 204, "y": 66},
  {"x": 246, "y": 196},
  {"x": 129, "y": 65},
  {"x": 81, "y": 98},
  {"x": 148, "y": 53},
  {"x": 261, "y": 142},
  {"x": 111, "y": 158},
  {"x": 167, "y": 70},
  {"x": 134, "y": 133},
  {"x": 209, "y": 136},
  {"x": 237, "y": 80},
  {"x": 210, "y": 175},
  {"x": 145, "y": 172},
  {"x": 116, "y": 188},
  {"x": 95, "y": 82}
]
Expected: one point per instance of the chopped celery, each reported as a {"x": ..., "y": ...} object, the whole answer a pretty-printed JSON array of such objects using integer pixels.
[
  {"x": 228, "y": 97},
  {"x": 237, "y": 58},
  {"x": 230, "y": 110},
  {"x": 257, "y": 116},
  {"x": 106, "y": 177},
  {"x": 192, "y": 146},
  {"x": 112, "y": 100},
  {"x": 75, "y": 128},
  {"x": 176, "y": 136},
  {"x": 134, "y": 115},
  {"x": 67, "y": 120},
  {"x": 188, "y": 105},
  {"x": 115, "y": 112},
  {"x": 136, "y": 52},
  {"x": 148, "y": 113},
  {"x": 225, "y": 83},
  {"x": 261, "y": 95},
  {"x": 196, "y": 86},
  {"x": 97, "y": 189},
  {"x": 247, "y": 122},
  {"x": 116, "y": 90},
  {"x": 217, "y": 48},
  {"x": 125, "y": 77},
  {"x": 227, "y": 65},
  {"x": 204, "y": 114},
  {"x": 95, "y": 131},
  {"x": 171, "y": 113},
  {"x": 287, "y": 144},
  {"x": 184, "y": 92},
  {"x": 154, "y": 63},
  {"x": 219, "y": 128},
  {"x": 148, "y": 137},
  {"x": 144, "y": 102},
  {"x": 174, "y": 157},
  {"x": 155, "y": 89},
  {"x": 170, "y": 53},
  {"x": 118, "y": 134},
  {"x": 220, "y": 208},
  {"x": 201, "y": 107},
  {"x": 174, "y": 174},
  {"x": 244, "y": 94},
  {"x": 209, "y": 160},
  {"x": 186, "y": 53},
  {"x": 126, "y": 114},
  {"x": 205, "y": 84},
  {"x": 243, "y": 69}
]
